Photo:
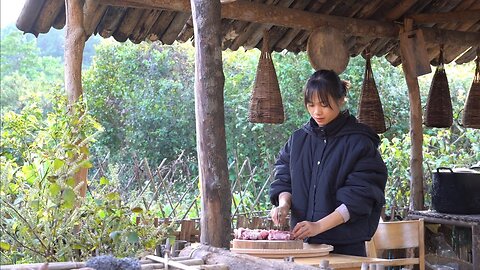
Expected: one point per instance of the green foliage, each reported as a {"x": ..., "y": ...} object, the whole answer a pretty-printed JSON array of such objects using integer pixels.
[
  {"x": 143, "y": 96},
  {"x": 43, "y": 216},
  {"x": 25, "y": 72},
  {"x": 453, "y": 148}
]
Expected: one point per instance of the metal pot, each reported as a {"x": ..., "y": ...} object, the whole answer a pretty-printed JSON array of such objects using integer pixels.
[{"x": 456, "y": 192}]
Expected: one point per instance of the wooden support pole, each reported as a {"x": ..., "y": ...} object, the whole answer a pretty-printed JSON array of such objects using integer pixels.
[
  {"x": 74, "y": 44},
  {"x": 416, "y": 132},
  {"x": 210, "y": 124}
]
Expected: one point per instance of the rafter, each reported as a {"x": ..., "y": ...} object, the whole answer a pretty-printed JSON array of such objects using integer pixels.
[
  {"x": 446, "y": 17},
  {"x": 299, "y": 19}
]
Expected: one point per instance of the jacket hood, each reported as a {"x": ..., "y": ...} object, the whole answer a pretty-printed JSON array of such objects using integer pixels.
[{"x": 344, "y": 124}]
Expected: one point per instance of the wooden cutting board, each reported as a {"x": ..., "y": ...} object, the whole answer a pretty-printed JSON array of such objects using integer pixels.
[
  {"x": 309, "y": 250},
  {"x": 267, "y": 244}
]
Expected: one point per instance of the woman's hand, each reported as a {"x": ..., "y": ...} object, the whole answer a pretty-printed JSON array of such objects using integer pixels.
[
  {"x": 306, "y": 229},
  {"x": 279, "y": 214}
]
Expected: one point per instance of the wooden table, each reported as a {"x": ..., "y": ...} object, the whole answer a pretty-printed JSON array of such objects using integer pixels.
[
  {"x": 468, "y": 221},
  {"x": 339, "y": 261}
]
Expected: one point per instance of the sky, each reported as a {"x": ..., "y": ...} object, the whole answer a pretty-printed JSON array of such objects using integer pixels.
[{"x": 10, "y": 10}]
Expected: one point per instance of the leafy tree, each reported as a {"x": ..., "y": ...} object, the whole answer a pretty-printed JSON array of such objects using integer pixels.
[
  {"x": 43, "y": 218},
  {"x": 24, "y": 71},
  {"x": 143, "y": 95}
]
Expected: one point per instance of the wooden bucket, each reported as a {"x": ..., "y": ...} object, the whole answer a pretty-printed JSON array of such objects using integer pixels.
[
  {"x": 326, "y": 49},
  {"x": 471, "y": 112},
  {"x": 438, "y": 111},
  {"x": 266, "y": 102},
  {"x": 370, "y": 111}
]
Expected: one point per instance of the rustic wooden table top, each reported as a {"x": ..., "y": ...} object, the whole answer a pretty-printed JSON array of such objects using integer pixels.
[{"x": 340, "y": 261}]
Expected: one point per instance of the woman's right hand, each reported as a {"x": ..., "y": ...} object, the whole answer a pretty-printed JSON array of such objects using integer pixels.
[{"x": 279, "y": 215}]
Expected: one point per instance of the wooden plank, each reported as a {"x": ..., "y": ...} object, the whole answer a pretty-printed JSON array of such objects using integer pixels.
[
  {"x": 29, "y": 15},
  {"x": 187, "y": 31},
  {"x": 92, "y": 13},
  {"x": 476, "y": 245},
  {"x": 172, "y": 263},
  {"x": 128, "y": 24},
  {"x": 210, "y": 125},
  {"x": 468, "y": 56},
  {"x": 144, "y": 25},
  {"x": 112, "y": 19},
  {"x": 257, "y": 35},
  {"x": 171, "y": 33},
  {"x": 275, "y": 15},
  {"x": 454, "y": 16},
  {"x": 292, "y": 18},
  {"x": 414, "y": 52},
  {"x": 60, "y": 21},
  {"x": 48, "y": 15}
]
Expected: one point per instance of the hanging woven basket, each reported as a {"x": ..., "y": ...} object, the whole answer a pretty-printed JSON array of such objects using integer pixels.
[
  {"x": 438, "y": 111},
  {"x": 266, "y": 102},
  {"x": 471, "y": 112},
  {"x": 370, "y": 111}
]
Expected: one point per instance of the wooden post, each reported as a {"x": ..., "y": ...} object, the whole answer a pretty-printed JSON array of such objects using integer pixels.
[
  {"x": 74, "y": 44},
  {"x": 416, "y": 132},
  {"x": 210, "y": 124}
]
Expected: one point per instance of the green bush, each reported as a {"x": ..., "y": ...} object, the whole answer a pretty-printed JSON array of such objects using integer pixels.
[{"x": 43, "y": 217}]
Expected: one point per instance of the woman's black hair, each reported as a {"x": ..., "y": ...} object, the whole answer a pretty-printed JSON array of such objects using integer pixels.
[{"x": 325, "y": 83}]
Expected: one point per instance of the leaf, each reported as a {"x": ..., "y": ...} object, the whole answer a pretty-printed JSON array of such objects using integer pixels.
[
  {"x": 84, "y": 150},
  {"x": 54, "y": 189},
  {"x": 104, "y": 181},
  {"x": 114, "y": 235},
  {"x": 68, "y": 198},
  {"x": 87, "y": 164},
  {"x": 70, "y": 182},
  {"x": 29, "y": 173},
  {"x": 35, "y": 204},
  {"x": 58, "y": 163},
  {"x": 101, "y": 214},
  {"x": 132, "y": 237},
  {"x": 137, "y": 210},
  {"x": 4, "y": 245},
  {"x": 113, "y": 196}
]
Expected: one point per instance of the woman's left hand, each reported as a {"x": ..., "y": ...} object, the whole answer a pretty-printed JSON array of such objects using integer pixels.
[{"x": 306, "y": 229}]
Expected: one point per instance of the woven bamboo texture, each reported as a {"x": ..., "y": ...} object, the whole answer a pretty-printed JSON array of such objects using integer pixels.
[
  {"x": 471, "y": 112},
  {"x": 266, "y": 102},
  {"x": 438, "y": 111},
  {"x": 370, "y": 111}
]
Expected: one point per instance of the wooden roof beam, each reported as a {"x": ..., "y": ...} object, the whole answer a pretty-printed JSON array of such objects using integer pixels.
[
  {"x": 270, "y": 14},
  {"x": 299, "y": 19},
  {"x": 446, "y": 17}
]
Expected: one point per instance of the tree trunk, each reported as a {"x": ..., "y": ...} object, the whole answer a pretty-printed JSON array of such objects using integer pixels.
[
  {"x": 215, "y": 221},
  {"x": 212, "y": 255},
  {"x": 74, "y": 45},
  {"x": 416, "y": 136}
]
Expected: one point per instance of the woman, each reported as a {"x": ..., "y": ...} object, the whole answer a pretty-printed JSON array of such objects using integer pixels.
[{"x": 330, "y": 173}]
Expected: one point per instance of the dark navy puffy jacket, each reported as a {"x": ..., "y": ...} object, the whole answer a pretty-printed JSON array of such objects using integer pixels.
[{"x": 324, "y": 167}]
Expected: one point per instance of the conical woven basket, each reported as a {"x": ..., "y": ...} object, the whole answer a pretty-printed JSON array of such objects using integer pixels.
[
  {"x": 370, "y": 111},
  {"x": 471, "y": 112},
  {"x": 266, "y": 102},
  {"x": 438, "y": 111}
]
